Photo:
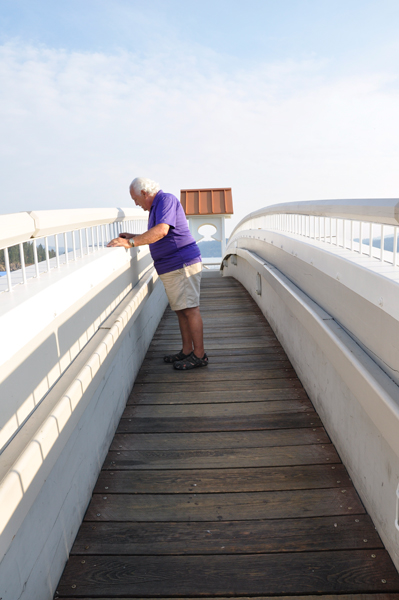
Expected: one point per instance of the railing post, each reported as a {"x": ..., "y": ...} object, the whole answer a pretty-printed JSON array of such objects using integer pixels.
[{"x": 8, "y": 271}]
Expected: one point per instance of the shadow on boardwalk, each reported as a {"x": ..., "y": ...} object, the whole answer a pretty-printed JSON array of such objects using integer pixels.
[{"x": 223, "y": 482}]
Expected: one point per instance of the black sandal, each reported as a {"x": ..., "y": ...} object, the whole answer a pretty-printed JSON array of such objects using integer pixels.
[
  {"x": 172, "y": 358},
  {"x": 191, "y": 362}
]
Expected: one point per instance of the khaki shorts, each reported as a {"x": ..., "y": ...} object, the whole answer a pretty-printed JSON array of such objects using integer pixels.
[{"x": 183, "y": 286}]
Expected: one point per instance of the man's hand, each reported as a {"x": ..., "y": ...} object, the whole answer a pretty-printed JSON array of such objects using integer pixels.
[
  {"x": 119, "y": 242},
  {"x": 141, "y": 239}
]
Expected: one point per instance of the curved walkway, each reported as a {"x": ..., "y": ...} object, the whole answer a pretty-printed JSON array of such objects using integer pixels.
[{"x": 222, "y": 481}]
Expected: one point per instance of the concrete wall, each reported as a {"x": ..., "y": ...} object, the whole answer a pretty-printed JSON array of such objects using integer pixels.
[
  {"x": 356, "y": 400},
  {"x": 48, "y": 470}
]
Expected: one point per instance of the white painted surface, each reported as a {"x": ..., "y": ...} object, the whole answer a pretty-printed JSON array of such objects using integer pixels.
[
  {"x": 15, "y": 228},
  {"x": 33, "y": 564},
  {"x": 46, "y": 324},
  {"x": 361, "y": 293},
  {"x": 377, "y": 210},
  {"x": 356, "y": 400},
  {"x": 20, "y": 227}
]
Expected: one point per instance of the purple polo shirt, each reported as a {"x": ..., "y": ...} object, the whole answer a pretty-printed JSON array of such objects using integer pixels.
[{"x": 178, "y": 248}]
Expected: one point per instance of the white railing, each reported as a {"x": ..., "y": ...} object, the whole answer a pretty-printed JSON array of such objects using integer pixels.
[
  {"x": 37, "y": 242},
  {"x": 366, "y": 227}
]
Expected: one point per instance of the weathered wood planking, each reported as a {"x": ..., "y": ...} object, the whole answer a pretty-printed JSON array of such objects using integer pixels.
[
  {"x": 219, "y": 409},
  {"x": 210, "y": 480},
  {"x": 265, "y": 395},
  {"x": 211, "y": 375},
  {"x": 234, "y": 575},
  {"x": 214, "y": 440},
  {"x": 230, "y": 537},
  {"x": 229, "y": 423},
  {"x": 224, "y": 507},
  {"x": 216, "y": 458},
  {"x": 382, "y": 596},
  {"x": 215, "y": 386},
  {"x": 223, "y": 482}
]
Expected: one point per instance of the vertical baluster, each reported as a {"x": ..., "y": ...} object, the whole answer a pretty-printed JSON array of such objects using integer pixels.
[
  {"x": 102, "y": 235},
  {"x": 22, "y": 259},
  {"x": 92, "y": 238},
  {"x": 395, "y": 245},
  {"x": 74, "y": 246},
  {"x": 35, "y": 258},
  {"x": 344, "y": 233},
  {"x": 382, "y": 244},
  {"x": 47, "y": 254},
  {"x": 351, "y": 234},
  {"x": 8, "y": 271},
  {"x": 360, "y": 237},
  {"x": 371, "y": 239},
  {"x": 57, "y": 254},
  {"x": 81, "y": 243},
  {"x": 66, "y": 248},
  {"x": 98, "y": 237},
  {"x": 330, "y": 226},
  {"x": 87, "y": 241}
]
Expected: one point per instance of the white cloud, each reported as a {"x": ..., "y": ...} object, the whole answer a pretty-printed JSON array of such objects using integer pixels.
[{"x": 77, "y": 127}]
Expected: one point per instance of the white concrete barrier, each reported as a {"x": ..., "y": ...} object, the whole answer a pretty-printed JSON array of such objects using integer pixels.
[
  {"x": 325, "y": 307},
  {"x": 73, "y": 341}
]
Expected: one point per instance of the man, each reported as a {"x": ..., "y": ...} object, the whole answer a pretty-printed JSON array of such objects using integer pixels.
[{"x": 177, "y": 260}]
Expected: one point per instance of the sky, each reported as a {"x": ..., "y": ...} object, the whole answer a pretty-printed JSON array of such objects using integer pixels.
[{"x": 281, "y": 100}]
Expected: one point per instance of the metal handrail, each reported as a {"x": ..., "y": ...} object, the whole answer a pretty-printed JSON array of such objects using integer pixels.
[
  {"x": 82, "y": 232},
  {"x": 354, "y": 225}
]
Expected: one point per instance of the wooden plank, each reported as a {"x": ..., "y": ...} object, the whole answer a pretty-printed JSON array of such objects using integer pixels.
[
  {"x": 216, "y": 343},
  {"x": 388, "y": 596},
  {"x": 224, "y": 507},
  {"x": 222, "y": 480},
  {"x": 212, "y": 398},
  {"x": 215, "y": 386},
  {"x": 226, "y": 354},
  {"x": 230, "y": 537},
  {"x": 270, "y": 364},
  {"x": 217, "y": 410},
  {"x": 207, "y": 374},
  {"x": 205, "y": 441},
  {"x": 197, "y": 424},
  {"x": 247, "y": 363},
  {"x": 221, "y": 458},
  {"x": 234, "y": 575},
  {"x": 209, "y": 332}
]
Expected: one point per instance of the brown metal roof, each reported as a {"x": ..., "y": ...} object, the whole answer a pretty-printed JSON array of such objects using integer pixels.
[{"x": 216, "y": 201}]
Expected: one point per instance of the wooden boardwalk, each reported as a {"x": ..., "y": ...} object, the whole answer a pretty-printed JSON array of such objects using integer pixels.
[{"x": 222, "y": 481}]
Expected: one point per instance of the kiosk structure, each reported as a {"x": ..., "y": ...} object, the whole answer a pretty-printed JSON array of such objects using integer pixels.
[{"x": 208, "y": 207}]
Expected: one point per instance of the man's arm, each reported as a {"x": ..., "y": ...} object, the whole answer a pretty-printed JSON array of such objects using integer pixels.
[{"x": 149, "y": 237}]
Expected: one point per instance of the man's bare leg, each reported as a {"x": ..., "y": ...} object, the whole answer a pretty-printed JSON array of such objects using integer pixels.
[{"x": 191, "y": 329}]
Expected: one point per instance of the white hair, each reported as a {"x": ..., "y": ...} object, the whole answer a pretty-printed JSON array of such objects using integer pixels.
[{"x": 147, "y": 185}]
